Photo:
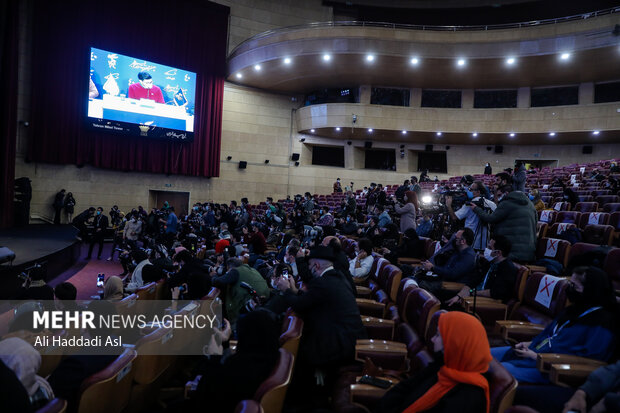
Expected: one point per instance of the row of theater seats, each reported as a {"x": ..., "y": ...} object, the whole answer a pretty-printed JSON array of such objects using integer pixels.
[
  {"x": 130, "y": 381},
  {"x": 401, "y": 318},
  {"x": 606, "y": 203},
  {"x": 597, "y": 227}
]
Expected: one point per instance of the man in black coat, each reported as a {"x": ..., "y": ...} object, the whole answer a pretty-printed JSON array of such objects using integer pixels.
[
  {"x": 332, "y": 321},
  {"x": 80, "y": 221},
  {"x": 100, "y": 225},
  {"x": 59, "y": 203}
]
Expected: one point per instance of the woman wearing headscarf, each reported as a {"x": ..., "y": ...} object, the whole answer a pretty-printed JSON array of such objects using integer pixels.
[
  {"x": 534, "y": 196},
  {"x": 407, "y": 211},
  {"x": 113, "y": 289},
  {"x": 586, "y": 328},
  {"x": 24, "y": 361},
  {"x": 455, "y": 381}
]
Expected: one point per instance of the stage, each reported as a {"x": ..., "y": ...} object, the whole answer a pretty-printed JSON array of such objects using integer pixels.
[{"x": 54, "y": 245}]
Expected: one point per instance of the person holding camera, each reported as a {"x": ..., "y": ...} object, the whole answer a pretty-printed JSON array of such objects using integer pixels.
[
  {"x": 406, "y": 211},
  {"x": 238, "y": 278},
  {"x": 472, "y": 220},
  {"x": 515, "y": 217}
]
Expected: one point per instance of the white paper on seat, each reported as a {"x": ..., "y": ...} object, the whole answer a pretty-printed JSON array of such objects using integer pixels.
[
  {"x": 545, "y": 289},
  {"x": 545, "y": 215},
  {"x": 562, "y": 227},
  {"x": 552, "y": 247},
  {"x": 558, "y": 206},
  {"x": 593, "y": 218}
]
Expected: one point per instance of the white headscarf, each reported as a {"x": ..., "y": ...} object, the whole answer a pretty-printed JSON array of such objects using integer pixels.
[{"x": 25, "y": 361}]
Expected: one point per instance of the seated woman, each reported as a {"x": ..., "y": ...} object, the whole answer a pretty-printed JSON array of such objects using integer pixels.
[
  {"x": 534, "y": 196},
  {"x": 113, "y": 289},
  {"x": 21, "y": 358},
  {"x": 585, "y": 328},
  {"x": 359, "y": 267},
  {"x": 454, "y": 382}
]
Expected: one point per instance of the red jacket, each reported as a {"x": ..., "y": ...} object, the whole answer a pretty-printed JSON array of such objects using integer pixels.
[{"x": 136, "y": 91}]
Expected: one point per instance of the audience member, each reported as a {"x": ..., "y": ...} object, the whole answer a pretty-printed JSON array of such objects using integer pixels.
[
  {"x": 361, "y": 264},
  {"x": 455, "y": 381},
  {"x": 113, "y": 289},
  {"x": 100, "y": 225},
  {"x": 515, "y": 218},
  {"x": 585, "y": 328}
]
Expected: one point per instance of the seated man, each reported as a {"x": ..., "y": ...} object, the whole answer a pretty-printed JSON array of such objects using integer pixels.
[
  {"x": 501, "y": 276},
  {"x": 460, "y": 265},
  {"x": 361, "y": 264},
  {"x": 384, "y": 217}
]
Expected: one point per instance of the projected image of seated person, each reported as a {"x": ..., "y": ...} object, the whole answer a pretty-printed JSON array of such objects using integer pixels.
[{"x": 145, "y": 89}]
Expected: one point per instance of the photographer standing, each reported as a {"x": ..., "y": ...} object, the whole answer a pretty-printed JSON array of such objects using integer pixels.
[
  {"x": 472, "y": 220},
  {"x": 406, "y": 211}
]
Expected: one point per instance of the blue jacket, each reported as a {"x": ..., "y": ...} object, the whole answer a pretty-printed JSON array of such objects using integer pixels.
[{"x": 459, "y": 267}]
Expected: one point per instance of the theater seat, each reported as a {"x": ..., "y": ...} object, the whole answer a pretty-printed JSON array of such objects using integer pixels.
[
  {"x": 147, "y": 292},
  {"x": 54, "y": 406},
  {"x": 108, "y": 390},
  {"x": 293, "y": 327},
  {"x": 271, "y": 393},
  {"x": 248, "y": 406},
  {"x": 558, "y": 228},
  {"x": 571, "y": 217},
  {"x": 594, "y": 218},
  {"x": 598, "y": 234},
  {"x": 541, "y": 229},
  {"x": 502, "y": 387},
  {"x": 586, "y": 207},
  {"x": 611, "y": 207},
  {"x": 612, "y": 267}
]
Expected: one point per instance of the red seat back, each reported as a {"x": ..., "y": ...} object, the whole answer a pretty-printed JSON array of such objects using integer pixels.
[
  {"x": 571, "y": 217},
  {"x": 586, "y": 206},
  {"x": 554, "y": 249},
  {"x": 533, "y": 311},
  {"x": 596, "y": 218},
  {"x": 419, "y": 307},
  {"x": 598, "y": 234}
]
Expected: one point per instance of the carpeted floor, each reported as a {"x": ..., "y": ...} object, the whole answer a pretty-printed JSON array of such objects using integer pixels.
[{"x": 83, "y": 274}]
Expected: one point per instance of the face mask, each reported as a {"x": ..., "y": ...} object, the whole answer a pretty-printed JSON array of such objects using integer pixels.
[
  {"x": 470, "y": 195},
  {"x": 531, "y": 197},
  {"x": 487, "y": 254},
  {"x": 274, "y": 284},
  {"x": 500, "y": 197},
  {"x": 98, "y": 212},
  {"x": 348, "y": 219}
]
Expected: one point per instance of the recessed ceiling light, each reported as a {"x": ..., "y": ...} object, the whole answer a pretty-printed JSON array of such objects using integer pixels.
[
  {"x": 512, "y": 134},
  {"x": 551, "y": 133},
  {"x": 461, "y": 62},
  {"x": 404, "y": 132},
  {"x": 370, "y": 57},
  {"x": 312, "y": 130},
  {"x": 287, "y": 61},
  {"x": 327, "y": 57},
  {"x": 510, "y": 61},
  {"x": 337, "y": 129},
  {"x": 565, "y": 56},
  {"x": 475, "y": 134},
  {"x": 596, "y": 132},
  {"x": 438, "y": 133},
  {"x": 414, "y": 61},
  {"x": 257, "y": 67},
  {"x": 370, "y": 130},
  {"x": 239, "y": 75}
]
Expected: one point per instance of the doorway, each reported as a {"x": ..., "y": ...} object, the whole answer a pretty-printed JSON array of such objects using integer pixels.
[{"x": 179, "y": 200}]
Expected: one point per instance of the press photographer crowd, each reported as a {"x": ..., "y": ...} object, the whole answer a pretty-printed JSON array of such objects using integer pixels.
[{"x": 435, "y": 268}]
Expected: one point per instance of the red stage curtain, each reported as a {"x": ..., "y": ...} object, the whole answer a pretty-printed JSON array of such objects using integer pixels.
[
  {"x": 8, "y": 107},
  {"x": 188, "y": 34}
]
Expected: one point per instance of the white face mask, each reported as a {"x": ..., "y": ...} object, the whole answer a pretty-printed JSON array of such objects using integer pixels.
[
  {"x": 274, "y": 283},
  {"x": 487, "y": 254}
]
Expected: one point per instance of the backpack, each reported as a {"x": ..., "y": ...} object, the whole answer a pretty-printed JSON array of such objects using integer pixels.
[{"x": 572, "y": 235}]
